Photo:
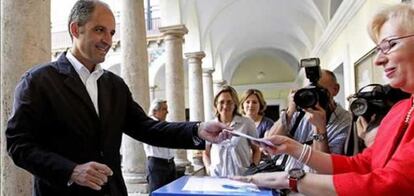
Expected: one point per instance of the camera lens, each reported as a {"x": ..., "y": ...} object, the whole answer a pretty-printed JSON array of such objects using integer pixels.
[
  {"x": 306, "y": 98},
  {"x": 359, "y": 107}
]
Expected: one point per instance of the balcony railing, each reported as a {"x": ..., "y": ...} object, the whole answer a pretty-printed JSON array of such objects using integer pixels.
[{"x": 154, "y": 25}]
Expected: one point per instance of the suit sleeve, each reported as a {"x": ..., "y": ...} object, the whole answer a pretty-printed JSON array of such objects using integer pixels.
[
  {"x": 165, "y": 134},
  {"x": 23, "y": 132}
]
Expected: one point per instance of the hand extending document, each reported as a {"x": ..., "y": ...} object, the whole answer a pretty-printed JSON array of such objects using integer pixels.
[{"x": 258, "y": 140}]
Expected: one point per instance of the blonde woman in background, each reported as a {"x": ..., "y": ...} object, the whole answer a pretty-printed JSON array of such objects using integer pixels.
[{"x": 253, "y": 105}]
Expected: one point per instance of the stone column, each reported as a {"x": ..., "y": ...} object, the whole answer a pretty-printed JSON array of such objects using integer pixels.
[
  {"x": 134, "y": 70},
  {"x": 196, "y": 102},
  {"x": 0, "y": 74},
  {"x": 195, "y": 85},
  {"x": 208, "y": 94},
  {"x": 174, "y": 83},
  {"x": 25, "y": 42},
  {"x": 218, "y": 84}
]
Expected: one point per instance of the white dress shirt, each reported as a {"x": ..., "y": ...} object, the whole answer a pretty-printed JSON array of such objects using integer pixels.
[
  {"x": 88, "y": 79},
  {"x": 159, "y": 152},
  {"x": 232, "y": 156}
]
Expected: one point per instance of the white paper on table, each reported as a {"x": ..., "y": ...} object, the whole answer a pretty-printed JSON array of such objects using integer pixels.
[{"x": 215, "y": 184}]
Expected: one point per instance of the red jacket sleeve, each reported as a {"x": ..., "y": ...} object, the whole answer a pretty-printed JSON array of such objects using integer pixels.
[
  {"x": 353, "y": 176},
  {"x": 360, "y": 163}
]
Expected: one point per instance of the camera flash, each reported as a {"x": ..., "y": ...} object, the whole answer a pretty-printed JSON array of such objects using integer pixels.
[{"x": 309, "y": 62}]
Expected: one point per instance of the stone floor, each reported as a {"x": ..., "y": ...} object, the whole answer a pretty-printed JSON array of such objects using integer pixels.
[{"x": 138, "y": 194}]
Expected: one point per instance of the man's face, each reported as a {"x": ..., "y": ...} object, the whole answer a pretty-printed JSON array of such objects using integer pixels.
[
  {"x": 326, "y": 81},
  {"x": 94, "y": 39},
  {"x": 161, "y": 114}
]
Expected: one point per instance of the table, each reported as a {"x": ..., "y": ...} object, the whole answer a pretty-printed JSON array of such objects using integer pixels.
[{"x": 175, "y": 188}]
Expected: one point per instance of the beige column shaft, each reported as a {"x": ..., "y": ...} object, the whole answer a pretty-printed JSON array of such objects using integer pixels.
[
  {"x": 195, "y": 98},
  {"x": 208, "y": 94},
  {"x": 134, "y": 70},
  {"x": 0, "y": 76},
  {"x": 174, "y": 81},
  {"x": 25, "y": 41},
  {"x": 195, "y": 86}
]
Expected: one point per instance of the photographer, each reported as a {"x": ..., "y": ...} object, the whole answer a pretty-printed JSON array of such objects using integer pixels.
[
  {"x": 314, "y": 129},
  {"x": 368, "y": 107}
]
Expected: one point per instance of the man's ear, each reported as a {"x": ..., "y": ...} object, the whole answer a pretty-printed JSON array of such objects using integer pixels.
[
  {"x": 74, "y": 29},
  {"x": 336, "y": 89}
]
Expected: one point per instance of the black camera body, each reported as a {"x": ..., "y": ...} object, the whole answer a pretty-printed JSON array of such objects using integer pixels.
[
  {"x": 378, "y": 99},
  {"x": 309, "y": 96}
]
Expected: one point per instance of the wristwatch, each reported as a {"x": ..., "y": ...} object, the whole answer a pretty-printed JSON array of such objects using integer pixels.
[
  {"x": 295, "y": 175},
  {"x": 319, "y": 136}
]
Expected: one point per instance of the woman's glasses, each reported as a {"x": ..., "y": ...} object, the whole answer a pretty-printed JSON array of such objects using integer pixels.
[{"x": 387, "y": 44}]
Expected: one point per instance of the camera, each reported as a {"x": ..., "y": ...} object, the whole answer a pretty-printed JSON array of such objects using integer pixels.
[
  {"x": 312, "y": 94},
  {"x": 375, "y": 99}
]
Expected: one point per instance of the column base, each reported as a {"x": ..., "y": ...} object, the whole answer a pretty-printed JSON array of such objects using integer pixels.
[
  {"x": 199, "y": 171},
  {"x": 136, "y": 183},
  {"x": 198, "y": 158}
]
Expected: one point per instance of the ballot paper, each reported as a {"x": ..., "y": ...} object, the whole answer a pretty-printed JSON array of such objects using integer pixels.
[
  {"x": 217, "y": 184},
  {"x": 258, "y": 140}
]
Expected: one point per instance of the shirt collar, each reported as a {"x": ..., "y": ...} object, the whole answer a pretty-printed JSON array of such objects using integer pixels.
[
  {"x": 75, "y": 62},
  {"x": 82, "y": 71}
]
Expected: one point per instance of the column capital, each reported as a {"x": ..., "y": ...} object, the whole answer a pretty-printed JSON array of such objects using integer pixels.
[
  {"x": 220, "y": 82},
  {"x": 208, "y": 71},
  {"x": 195, "y": 57},
  {"x": 177, "y": 31},
  {"x": 198, "y": 55}
]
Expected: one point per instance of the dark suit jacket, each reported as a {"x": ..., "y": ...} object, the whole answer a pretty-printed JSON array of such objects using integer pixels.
[{"x": 54, "y": 127}]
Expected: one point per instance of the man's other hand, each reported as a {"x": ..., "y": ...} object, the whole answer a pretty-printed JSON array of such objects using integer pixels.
[
  {"x": 212, "y": 131},
  {"x": 92, "y": 174}
]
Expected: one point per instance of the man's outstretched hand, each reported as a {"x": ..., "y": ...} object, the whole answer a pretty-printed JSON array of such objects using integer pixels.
[
  {"x": 92, "y": 174},
  {"x": 212, "y": 131}
]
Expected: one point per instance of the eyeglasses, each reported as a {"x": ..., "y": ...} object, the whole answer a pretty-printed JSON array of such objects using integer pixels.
[{"x": 387, "y": 44}]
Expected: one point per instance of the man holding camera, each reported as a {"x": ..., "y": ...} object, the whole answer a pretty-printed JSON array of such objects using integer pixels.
[{"x": 322, "y": 129}]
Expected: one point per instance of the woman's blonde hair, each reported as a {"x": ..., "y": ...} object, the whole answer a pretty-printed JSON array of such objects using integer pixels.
[
  {"x": 403, "y": 13},
  {"x": 259, "y": 96},
  {"x": 234, "y": 97}
]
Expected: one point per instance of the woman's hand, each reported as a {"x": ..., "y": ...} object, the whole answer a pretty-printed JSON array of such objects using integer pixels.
[
  {"x": 275, "y": 180},
  {"x": 361, "y": 126},
  {"x": 282, "y": 145}
]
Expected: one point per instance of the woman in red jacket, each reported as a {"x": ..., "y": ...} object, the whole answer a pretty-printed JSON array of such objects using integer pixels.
[{"x": 385, "y": 168}]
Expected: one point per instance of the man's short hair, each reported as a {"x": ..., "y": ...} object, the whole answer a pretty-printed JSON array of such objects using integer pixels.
[
  {"x": 156, "y": 105},
  {"x": 81, "y": 12},
  {"x": 331, "y": 74}
]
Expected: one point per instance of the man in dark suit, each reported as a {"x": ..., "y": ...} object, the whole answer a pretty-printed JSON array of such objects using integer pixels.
[{"x": 69, "y": 116}]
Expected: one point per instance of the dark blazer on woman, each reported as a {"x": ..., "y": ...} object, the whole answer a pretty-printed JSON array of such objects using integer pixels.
[{"x": 54, "y": 127}]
